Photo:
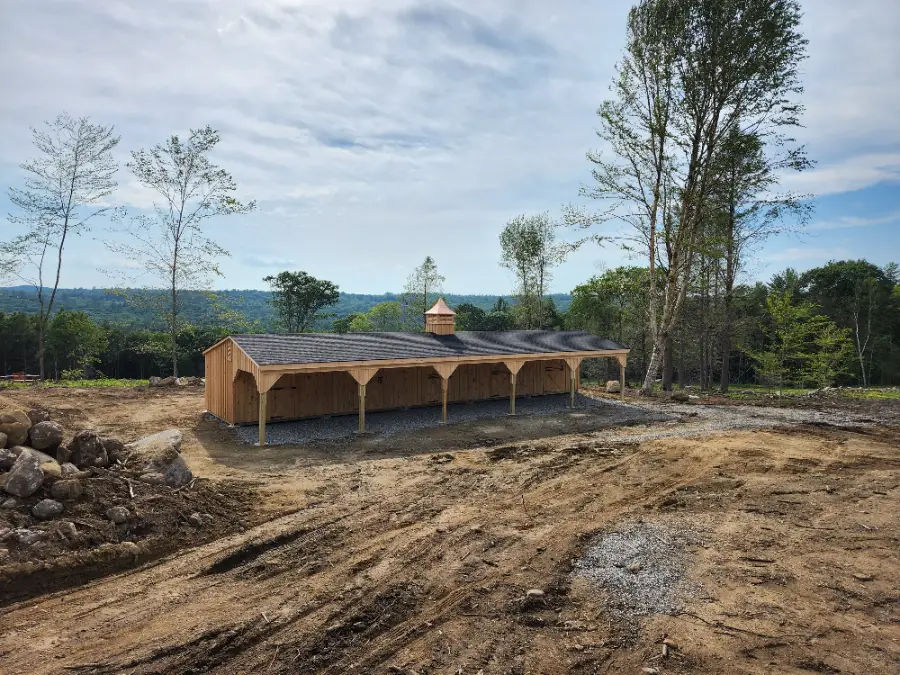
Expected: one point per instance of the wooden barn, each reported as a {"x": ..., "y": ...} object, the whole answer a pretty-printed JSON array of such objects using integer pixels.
[{"x": 265, "y": 378}]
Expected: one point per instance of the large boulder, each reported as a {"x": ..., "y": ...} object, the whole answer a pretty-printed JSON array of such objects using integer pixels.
[
  {"x": 46, "y": 436},
  {"x": 46, "y": 509},
  {"x": 36, "y": 416},
  {"x": 159, "y": 449},
  {"x": 3, "y": 440},
  {"x": 87, "y": 450},
  {"x": 681, "y": 396},
  {"x": 154, "y": 381},
  {"x": 14, "y": 423},
  {"x": 25, "y": 477},
  {"x": 66, "y": 489},
  {"x": 613, "y": 387}
]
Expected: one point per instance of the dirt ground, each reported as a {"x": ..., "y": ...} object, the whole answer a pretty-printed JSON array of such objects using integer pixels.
[{"x": 417, "y": 555}]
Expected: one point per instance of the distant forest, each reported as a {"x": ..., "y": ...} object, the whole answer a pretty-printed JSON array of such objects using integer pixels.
[{"x": 202, "y": 308}]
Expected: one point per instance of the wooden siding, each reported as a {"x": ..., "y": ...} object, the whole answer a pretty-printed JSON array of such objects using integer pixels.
[
  {"x": 218, "y": 372},
  {"x": 301, "y": 395}
]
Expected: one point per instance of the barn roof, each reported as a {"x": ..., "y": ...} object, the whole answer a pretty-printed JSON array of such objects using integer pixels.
[{"x": 345, "y": 347}]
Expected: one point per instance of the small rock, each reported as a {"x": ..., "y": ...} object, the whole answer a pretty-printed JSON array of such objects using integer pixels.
[
  {"x": 4, "y": 554},
  {"x": 613, "y": 387},
  {"x": 862, "y": 577},
  {"x": 10, "y": 503},
  {"x": 634, "y": 567},
  {"x": 37, "y": 416},
  {"x": 114, "y": 448},
  {"x": 117, "y": 514},
  {"x": 25, "y": 477},
  {"x": 680, "y": 396},
  {"x": 129, "y": 548},
  {"x": 52, "y": 469},
  {"x": 87, "y": 450},
  {"x": 69, "y": 469},
  {"x": 46, "y": 509},
  {"x": 196, "y": 520},
  {"x": 67, "y": 529},
  {"x": 66, "y": 489},
  {"x": 441, "y": 529},
  {"x": 45, "y": 436},
  {"x": 178, "y": 473},
  {"x": 534, "y": 593},
  {"x": 63, "y": 454},
  {"x": 578, "y": 647},
  {"x": 154, "y": 381},
  {"x": 159, "y": 449},
  {"x": 153, "y": 478},
  {"x": 7, "y": 458},
  {"x": 3, "y": 440},
  {"x": 650, "y": 671},
  {"x": 27, "y": 537}
]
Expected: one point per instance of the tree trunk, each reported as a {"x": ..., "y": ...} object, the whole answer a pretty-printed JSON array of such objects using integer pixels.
[{"x": 668, "y": 364}]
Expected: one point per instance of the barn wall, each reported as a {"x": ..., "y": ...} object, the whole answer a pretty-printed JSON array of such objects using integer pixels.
[
  {"x": 219, "y": 362},
  {"x": 300, "y": 395}
]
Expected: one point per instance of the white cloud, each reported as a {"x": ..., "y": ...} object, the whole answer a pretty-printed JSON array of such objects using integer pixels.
[{"x": 854, "y": 221}]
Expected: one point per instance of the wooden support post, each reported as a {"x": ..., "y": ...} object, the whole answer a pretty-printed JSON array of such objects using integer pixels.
[
  {"x": 574, "y": 364},
  {"x": 263, "y": 397},
  {"x": 362, "y": 408},
  {"x": 445, "y": 370},
  {"x": 622, "y": 361},
  {"x": 514, "y": 368}
]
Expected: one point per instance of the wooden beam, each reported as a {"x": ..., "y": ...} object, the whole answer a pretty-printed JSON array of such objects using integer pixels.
[
  {"x": 362, "y": 375},
  {"x": 362, "y": 408},
  {"x": 445, "y": 370},
  {"x": 445, "y": 385},
  {"x": 263, "y": 397},
  {"x": 514, "y": 368},
  {"x": 574, "y": 364},
  {"x": 622, "y": 361}
]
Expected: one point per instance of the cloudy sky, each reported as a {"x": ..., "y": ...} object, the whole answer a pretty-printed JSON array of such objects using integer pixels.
[{"x": 375, "y": 132}]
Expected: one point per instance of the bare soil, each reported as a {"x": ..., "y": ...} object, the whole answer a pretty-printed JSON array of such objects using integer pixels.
[{"x": 417, "y": 557}]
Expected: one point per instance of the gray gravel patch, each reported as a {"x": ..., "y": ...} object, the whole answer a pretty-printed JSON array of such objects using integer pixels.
[
  {"x": 392, "y": 422},
  {"x": 641, "y": 566}
]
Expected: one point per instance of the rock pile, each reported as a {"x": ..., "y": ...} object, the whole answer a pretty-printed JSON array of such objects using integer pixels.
[
  {"x": 177, "y": 381},
  {"x": 37, "y": 489}
]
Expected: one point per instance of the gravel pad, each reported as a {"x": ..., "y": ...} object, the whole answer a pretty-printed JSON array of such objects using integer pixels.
[
  {"x": 391, "y": 422},
  {"x": 641, "y": 566}
]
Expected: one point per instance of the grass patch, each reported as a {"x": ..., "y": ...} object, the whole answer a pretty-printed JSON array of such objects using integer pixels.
[{"x": 78, "y": 384}]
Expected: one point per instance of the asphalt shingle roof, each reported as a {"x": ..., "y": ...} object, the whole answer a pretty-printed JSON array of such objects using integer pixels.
[{"x": 333, "y": 347}]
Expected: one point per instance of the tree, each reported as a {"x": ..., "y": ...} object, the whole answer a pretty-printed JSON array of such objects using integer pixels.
[
  {"x": 298, "y": 298},
  {"x": 170, "y": 246},
  {"x": 420, "y": 293},
  {"x": 694, "y": 70},
  {"x": 386, "y": 317},
  {"x": 65, "y": 187},
  {"x": 470, "y": 317},
  {"x": 528, "y": 248},
  {"x": 746, "y": 213},
  {"x": 832, "y": 350},
  {"x": 74, "y": 340},
  {"x": 360, "y": 323},
  {"x": 787, "y": 331}
]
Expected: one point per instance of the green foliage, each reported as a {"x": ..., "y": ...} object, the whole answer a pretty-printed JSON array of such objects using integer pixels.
[
  {"x": 298, "y": 298},
  {"x": 360, "y": 323},
  {"x": 74, "y": 341},
  {"x": 831, "y": 354},
  {"x": 421, "y": 292},
  {"x": 386, "y": 317}
]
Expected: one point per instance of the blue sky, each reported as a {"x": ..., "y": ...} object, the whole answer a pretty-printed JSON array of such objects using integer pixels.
[{"x": 376, "y": 132}]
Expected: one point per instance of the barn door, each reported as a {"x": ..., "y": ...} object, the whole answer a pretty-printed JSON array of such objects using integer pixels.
[{"x": 554, "y": 376}]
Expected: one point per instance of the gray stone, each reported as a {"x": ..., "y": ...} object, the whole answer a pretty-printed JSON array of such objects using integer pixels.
[
  {"x": 10, "y": 503},
  {"x": 154, "y": 381},
  {"x": 117, "y": 514},
  {"x": 52, "y": 469},
  {"x": 67, "y": 529},
  {"x": 66, "y": 489},
  {"x": 46, "y": 436},
  {"x": 25, "y": 476},
  {"x": 613, "y": 387},
  {"x": 196, "y": 520},
  {"x": 534, "y": 593},
  {"x": 37, "y": 416},
  {"x": 129, "y": 548},
  {"x": 159, "y": 449},
  {"x": 153, "y": 478},
  {"x": 14, "y": 423},
  {"x": 7, "y": 459},
  {"x": 87, "y": 450},
  {"x": 63, "y": 454},
  {"x": 46, "y": 509},
  {"x": 27, "y": 537},
  {"x": 680, "y": 396},
  {"x": 3, "y": 440},
  {"x": 178, "y": 473},
  {"x": 114, "y": 448},
  {"x": 69, "y": 469}
]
